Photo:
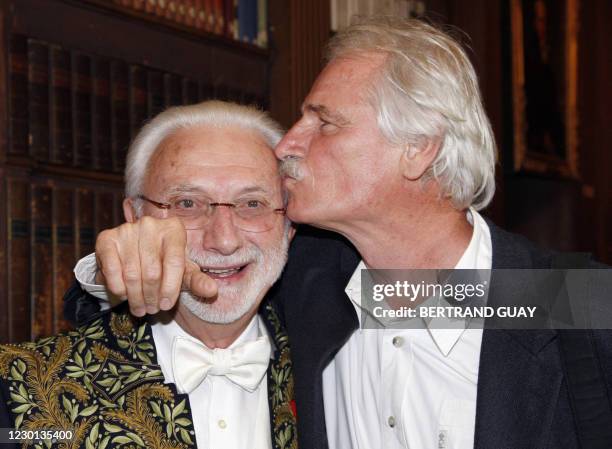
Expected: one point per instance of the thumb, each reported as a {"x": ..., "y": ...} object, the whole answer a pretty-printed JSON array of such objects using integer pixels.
[{"x": 198, "y": 283}]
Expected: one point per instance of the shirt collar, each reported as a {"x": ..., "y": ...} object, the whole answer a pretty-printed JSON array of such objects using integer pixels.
[{"x": 477, "y": 255}]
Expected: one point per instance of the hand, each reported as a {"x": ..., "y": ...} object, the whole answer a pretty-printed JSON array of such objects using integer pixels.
[{"x": 145, "y": 261}]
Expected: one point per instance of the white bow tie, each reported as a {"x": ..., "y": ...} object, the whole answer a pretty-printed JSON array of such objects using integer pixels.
[{"x": 244, "y": 365}]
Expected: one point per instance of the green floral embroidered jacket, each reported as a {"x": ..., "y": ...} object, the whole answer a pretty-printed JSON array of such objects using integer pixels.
[{"x": 103, "y": 383}]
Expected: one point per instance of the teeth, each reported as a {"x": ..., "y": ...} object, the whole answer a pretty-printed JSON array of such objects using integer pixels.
[{"x": 221, "y": 272}]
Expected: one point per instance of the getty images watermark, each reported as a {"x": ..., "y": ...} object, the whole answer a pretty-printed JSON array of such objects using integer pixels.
[{"x": 496, "y": 299}]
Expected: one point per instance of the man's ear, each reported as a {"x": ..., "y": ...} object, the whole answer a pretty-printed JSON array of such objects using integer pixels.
[
  {"x": 416, "y": 159},
  {"x": 129, "y": 211}
]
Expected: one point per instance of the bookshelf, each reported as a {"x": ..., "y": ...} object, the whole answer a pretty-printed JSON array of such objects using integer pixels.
[{"x": 79, "y": 78}]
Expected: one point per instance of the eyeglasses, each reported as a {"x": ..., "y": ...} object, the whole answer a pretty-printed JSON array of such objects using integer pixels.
[{"x": 251, "y": 215}]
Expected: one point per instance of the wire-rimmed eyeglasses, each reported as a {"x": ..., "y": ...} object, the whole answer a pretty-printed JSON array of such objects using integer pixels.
[{"x": 249, "y": 214}]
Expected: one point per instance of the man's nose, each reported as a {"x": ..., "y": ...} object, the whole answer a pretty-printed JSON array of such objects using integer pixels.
[
  {"x": 294, "y": 143},
  {"x": 221, "y": 235}
]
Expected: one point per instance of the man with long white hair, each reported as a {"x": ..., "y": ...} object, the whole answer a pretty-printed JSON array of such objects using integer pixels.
[
  {"x": 214, "y": 371},
  {"x": 395, "y": 153}
]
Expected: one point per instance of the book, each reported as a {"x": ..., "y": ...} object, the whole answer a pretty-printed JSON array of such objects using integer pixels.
[
  {"x": 86, "y": 237},
  {"x": 61, "y": 107},
  {"x": 223, "y": 16},
  {"x": 4, "y": 233},
  {"x": 155, "y": 93},
  {"x": 101, "y": 114},
  {"x": 206, "y": 91},
  {"x": 19, "y": 257},
  {"x": 262, "y": 23},
  {"x": 247, "y": 21},
  {"x": 149, "y": 6},
  {"x": 211, "y": 17},
  {"x": 64, "y": 254},
  {"x": 105, "y": 212},
  {"x": 82, "y": 108},
  {"x": 201, "y": 16},
  {"x": 191, "y": 91},
  {"x": 181, "y": 12},
  {"x": 120, "y": 115},
  {"x": 138, "y": 5},
  {"x": 160, "y": 8},
  {"x": 42, "y": 261},
  {"x": 190, "y": 13},
  {"x": 171, "y": 10},
  {"x": 38, "y": 99},
  {"x": 137, "y": 98},
  {"x": 173, "y": 95},
  {"x": 18, "y": 115}
]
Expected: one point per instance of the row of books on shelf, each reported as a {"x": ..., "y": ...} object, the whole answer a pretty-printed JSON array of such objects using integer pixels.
[
  {"x": 75, "y": 109},
  {"x": 51, "y": 224},
  {"x": 241, "y": 20}
]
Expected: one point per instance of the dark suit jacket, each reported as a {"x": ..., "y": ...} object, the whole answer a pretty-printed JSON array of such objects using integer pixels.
[
  {"x": 522, "y": 397},
  {"x": 103, "y": 382}
]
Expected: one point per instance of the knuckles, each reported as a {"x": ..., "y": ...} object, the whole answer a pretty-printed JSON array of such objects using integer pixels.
[
  {"x": 131, "y": 273},
  {"x": 152, "y": 273}
]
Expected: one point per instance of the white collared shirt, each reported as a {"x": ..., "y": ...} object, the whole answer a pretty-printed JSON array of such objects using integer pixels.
[
  {"x": 225, "y": 416},
  {"x": 407, "y": 388}
]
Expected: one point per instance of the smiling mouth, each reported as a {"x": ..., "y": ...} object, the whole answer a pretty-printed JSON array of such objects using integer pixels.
[{"x": 222, "y": 273}]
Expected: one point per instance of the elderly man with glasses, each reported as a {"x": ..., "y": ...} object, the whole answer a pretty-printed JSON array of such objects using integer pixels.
[{"x": 213, "y": 371}]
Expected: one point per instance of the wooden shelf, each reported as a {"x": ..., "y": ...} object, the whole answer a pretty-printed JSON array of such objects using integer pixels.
[{"x": 174, "y": 27}]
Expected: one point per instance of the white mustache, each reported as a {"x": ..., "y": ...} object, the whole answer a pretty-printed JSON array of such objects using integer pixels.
[
  {"x": 290, "y": 168},
  {"x": 239, "y": 258}
]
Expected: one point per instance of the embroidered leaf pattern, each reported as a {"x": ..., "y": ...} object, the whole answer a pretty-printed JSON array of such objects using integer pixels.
[
  {"x": 82, "y": 381},
  {"x": 280, "y": 386}
]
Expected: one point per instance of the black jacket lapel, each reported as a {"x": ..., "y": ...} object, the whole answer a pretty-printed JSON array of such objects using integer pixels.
[
  {"x": 319, "y": 317},
  {"x": 520, "y": 374}
]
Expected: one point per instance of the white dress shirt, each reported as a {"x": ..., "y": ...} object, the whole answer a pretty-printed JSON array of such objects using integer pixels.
[
  {"x": 225, "y": 416},
  {"x": 407, "y": 388}
]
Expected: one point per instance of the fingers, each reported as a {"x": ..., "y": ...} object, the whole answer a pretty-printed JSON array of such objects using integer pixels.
[
  {"x": 110, "y": 271},
  {"x": 144, "y": 261},
  {"x": 198, "y": 283},
  {"x": 173, "y": 250},
  {"x": 150, "y": 250},
  {"x": 130, "y": 261}
]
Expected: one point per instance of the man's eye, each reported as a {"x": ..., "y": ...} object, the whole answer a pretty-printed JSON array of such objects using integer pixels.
[
  {"x": 327, "y": 126},
  {"x": 185, "y": 204},
  {"x": 253, "y": 204}
]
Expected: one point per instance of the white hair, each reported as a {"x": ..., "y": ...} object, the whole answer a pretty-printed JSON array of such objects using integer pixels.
[
  {"x": 427, "y": 91},
  {"x": 209, "y": 113}
]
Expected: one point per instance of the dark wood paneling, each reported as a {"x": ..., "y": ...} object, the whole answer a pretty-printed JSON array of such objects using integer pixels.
[
  {"x": 300, "y": 30},
  {"x": 595, "y": 132}
]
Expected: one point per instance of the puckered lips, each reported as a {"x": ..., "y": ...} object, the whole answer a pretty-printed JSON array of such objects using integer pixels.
[
  {"x": 289, "y": 182},
  {"x": 226, "y": 274}
]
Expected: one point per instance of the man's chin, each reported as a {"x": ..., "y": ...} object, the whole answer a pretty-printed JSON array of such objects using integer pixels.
[{"x": 224, "y": 309}]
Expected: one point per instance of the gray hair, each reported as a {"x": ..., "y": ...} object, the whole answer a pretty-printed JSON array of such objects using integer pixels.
[
  {"x": 209, "y": 113},
  {"x": 428, "y": 90}
]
